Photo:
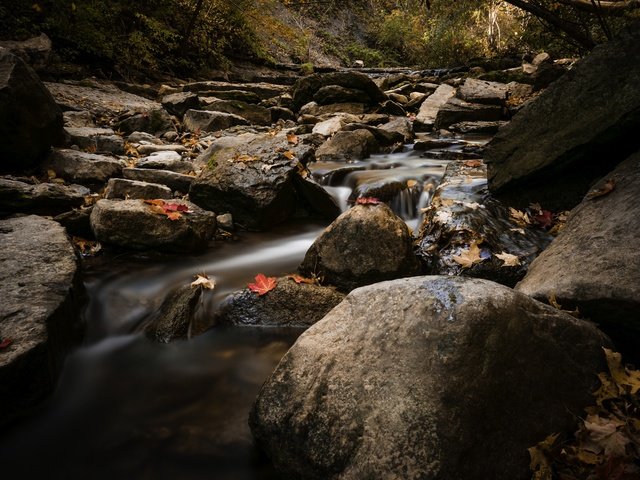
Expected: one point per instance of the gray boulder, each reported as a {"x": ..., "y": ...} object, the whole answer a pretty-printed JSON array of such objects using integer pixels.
[
  {"x": 41, "y": 297},
  {"x": 254, "y": 114},
  {"x": 345, "y": 146},
  {"x": 41, "y": 198},
  {"x": 426, "y": 116},
  {"x": 126, "y": 189},
  {"x": 594, "y": 264},
  {"x": 178, "y": 103},
  {"x": 336, "y": 94},
  {"x": 482, "y": 91},
  {"x": 252, "y": 180},
  {"x": 456, "y": 111},
  {"x": 35, "y": 51},
  {"x": 289, "y": 304},
  {"x": 133, "y": 224},
  {"x": 400, "y": 125},
  {"x": 81, "y": 167},
  {"x": 427, "y": 377},
  {"x": 306, "y": 88},
  {"x": 366, "y": 244},
  {"x": 206, "y": 121},
  {"x": 384, "y": 137},
  {"x": 156, "y": 121},
  {"x": 95, "y": 139},
  {"x": 30, "y": 120},
  {"x": 572, "y": 133},
  {"x": 175, "y": 181},
  {"x": 313, "y": 109},
  {"x": 176, "y": 317},
  {"x": 166, "y": 160}
]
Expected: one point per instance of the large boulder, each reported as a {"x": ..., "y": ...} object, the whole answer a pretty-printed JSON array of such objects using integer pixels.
[
  {"x": 456, "y": 111},
  {"x": 366, "y": 244},
  {"x": 348, "y": 146},
  {"x": 426, "y": 116},
  {"x": 574, "y": 132},
  {"x": 254, "y": 114},
  {"x": 482, "y": 91},
  {"x": 207, "y": 121},
  {"x": 175, "y": 181},
  {"x": 427, "y": 377},
  {"x": 35, "y": 51},
  {"x": 252, "y": 180},
  {"x": 82, "y": 167},
  {"x": 594, "y": 264},
  {"x": 39, "y": 312},
  {"x": 30, "y": 120},
  {"x": 305, "y": 89},
  {"x": 289, "y": 304},
  {"x": 136, "y": 225}
]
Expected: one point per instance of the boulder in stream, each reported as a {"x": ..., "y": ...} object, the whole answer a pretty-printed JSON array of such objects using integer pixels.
[
  {"x": 136, "y": 225},
  {"x": 176, "y": 317},
  {"x": 594, "y": 263},
  {"x": 289, "y": 304},
  {"x": 366, "y": 244},
  {"x": 30, "y": 120},
  {"x": 345, "y": 146},
  {"x": 427, "y": 377},
  {"x": 39, "y": 314}
]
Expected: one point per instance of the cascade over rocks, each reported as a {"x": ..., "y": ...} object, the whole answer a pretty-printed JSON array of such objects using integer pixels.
[
  {"x": 289, "y": 304},
  {"x": 366, "y": 244},
  {"x": 30, "y": 120},
  {"x": 305, "y": 89},
  {"x": 39, "y": 312},
  {"x": 427, "y": 377},
  {"x": 132, "y": 224},
  {"x": 572, "y": 133},
  {"x": 594, "y": 264}
]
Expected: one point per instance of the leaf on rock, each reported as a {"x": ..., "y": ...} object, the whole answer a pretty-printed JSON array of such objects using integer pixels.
[
  {"x": 204, "y": 281},
  {"x": 171, "y": 210},
  {"x": 544, "y": 219},
  {"x": 173, "y": 216},
  {"x": 468, "y": 258},
  {"x": 300, "y": 279},
  {"x": 263, "y": 284},
  {"x": 521, "y": 218},
  {"x": 245, "y": 158},
  {"x": 607, "y": 188},
  {"x": 540, "y": 463},
  {"x": 292, "y": 138},
  {"x": 289, "y": 154},
  {"x": 473, "y": 163},
  {"x": 5, "y": 342},
  {"x": 175, "y": 207},
  {"x": 629, "y": 380},
  {"x": 368, "y": 201},
  {"x": 509, "y": 259},
  {"x": 158, "y": 202}
]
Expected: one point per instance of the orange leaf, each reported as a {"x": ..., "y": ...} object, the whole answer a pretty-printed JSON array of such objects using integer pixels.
[
  {"x": 158, "y": 202},
  {"x": 292, "y": 138},
  {"x": 263, "y": 284},
  {"x": 289, "y": 154},
  {"x": 608, "y": 186},
  {"x": 300, "y": 279},
  {"x": 368, "y": 201},
  {"x": 473, "y": 163},
  {"x": 173, "y": 215},
  {"x": 175, "y": 207}
]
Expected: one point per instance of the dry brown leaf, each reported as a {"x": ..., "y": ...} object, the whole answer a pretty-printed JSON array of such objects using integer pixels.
[
  {"x": 473, "y": 163},
  {"x": 468, "y": 258},
  {"x": 607, "y": 188},
  {"x": 204, "y": 281},
  {"x": 292, "y": 138},
  {"x": 509, "y": 259},
  {"x": 521, "y": 218},
  {"x": 289, "y": 154},
  {"x": 300, "y": 279},
  {"x": 624, "y": 378}
]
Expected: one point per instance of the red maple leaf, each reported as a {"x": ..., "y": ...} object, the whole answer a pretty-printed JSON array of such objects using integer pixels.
[
  {"x": 368, "y": 201},
  {"x": 175, "y": 207},
  {"x": 544, "y": 219},
  {"x": 5, "y": 342},
  {"x": 263, "y": 284}
]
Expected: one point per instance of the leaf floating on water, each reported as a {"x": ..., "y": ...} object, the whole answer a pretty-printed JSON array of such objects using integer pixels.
[
  {"x": 204, "y": 281},
  {"x": 368, "y": 201},
  {"x": 300, "y": 279},
  {"x": 263, "y": 284},
  {"x": 607, "y": 188},
  {"x": 468, "y": 258},
  {"x": 5, "y": 342},
  {"x": 292, "y": 138},
  {"x": 509, "y": 259}
]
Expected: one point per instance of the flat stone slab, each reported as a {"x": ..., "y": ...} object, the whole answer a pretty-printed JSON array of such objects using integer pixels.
[
  {"x": 38, "y": 312},
  {"x": 81, "y": 167},
  {"x": 173, "y": 180}
]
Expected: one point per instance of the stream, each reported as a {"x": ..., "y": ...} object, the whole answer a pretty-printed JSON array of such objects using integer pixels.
[{"x": 129, "y": 408}]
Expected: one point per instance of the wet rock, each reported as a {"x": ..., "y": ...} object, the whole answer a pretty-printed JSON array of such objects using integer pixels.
[
  {"x": 205, "y": 121},
  {"x": 398, "y": 98},
  {"x": 30, "y": 120},
  {"x": 366, "y": 244},
  {"x": 289, "y": 304},
  {"x": 126, "y": 189},
  {"x": 336, "y": 94},
  {"x": 383, "y": 136},
  {"x": 254, "y": 114},
  {"x": 225, "y": 221},
  {"x": 478, "y": 128},
  {"x": 426, "y": 116},
  {"x": 313, "y": 109},
  {"x": 95, "y": 139},
  {"x": 42, "y": 198},
  {"x": 231, "y": 95},
  {"x": 427, "y": 377},
  {"x": 305, "y": 89},
  {"x": 41, "y": 298},
  {"x": 144, "y": 137},
  {"x": 281, "y": 113},
  {"x": 314, "y": 199},
  {"x": 482, "y": 91},
  {"x": 572, "y": 133},
  {"x": 462, "y": 215},
  {"x": 175, "y": 181},
  {"x": 425, "y": 144},
  {"x": 401, "y": 125},
  {"x": 330, "y": 126},
  {"x": 391, "y": 107},
  {"x": 345, "y": 146},
  {"x": 76, "y": 222},
  {"x": 35, "y": 51},
  {"x": 82, "y": 167},
  {"x": 456, "y": 111},
  {"x": 150, "y": 148},
  {"x": 133, "y": 224},
  {"x": 252, "y": 180},
  {"x": 593, "y": 263},
  {"x": 261, "y": 90},
  {"x": 178, "y": 103},
  {"x": 156, "y": 121},
  {"x": 78, "y": 119},
  {"x": 166, "y": 160},
  {"x": 176, "y": 316}
]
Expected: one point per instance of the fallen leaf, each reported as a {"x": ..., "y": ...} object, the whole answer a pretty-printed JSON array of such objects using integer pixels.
[
  {"x": 86, "y": 247},
  {"x": 468, "y": 258},
  {"x": 289, "y": 154},
  {"x": 245, "y": 158},
  {"x": 173, "y": 216},
  {"x": 553, "y": 301},
  {"x": 263, "y": 284},
  {"x": 368, "y": 201},
  {"x": 623, "y": 377},
  {"x": 175, "y": 207},
  {"x": 608, "y": 389},
  {"x": 521, "y": 218},
  {"x": 540, "y": 464},
  {"x": 204, "y": 281},
  {"x": 473, "y": 163},
  {"x": 411, "y": 183},
  {"x": 300, "y": 279},
  {"x": 509, "y": 259},
  {"x": 156, "y": 202},
  {"x": 608, "y": 186},
  {"x": 292, "y": 138},
  {"x": 5, "y": 342},
  {"x": 544, "y": 219}
]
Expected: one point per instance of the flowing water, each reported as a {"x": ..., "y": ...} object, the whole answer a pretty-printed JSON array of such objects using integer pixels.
[{"x": 129, "y": 408}]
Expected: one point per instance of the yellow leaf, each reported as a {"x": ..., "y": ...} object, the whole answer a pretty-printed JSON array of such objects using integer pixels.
[
  {"x": 245, "y": 158},
  {"x": 622, "y": 376},
  {"x": 468, "y": 258},
  {"x": 508, "y": 259},
  {"x": 521, "y": 218},
  {"x": 204, "y": 281},
  {"x": 411, "y": 183},
  {"x": 173, "y": 215},
  {"x": 289, "y": 154},
  {"x": 292, "y": 138}
]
